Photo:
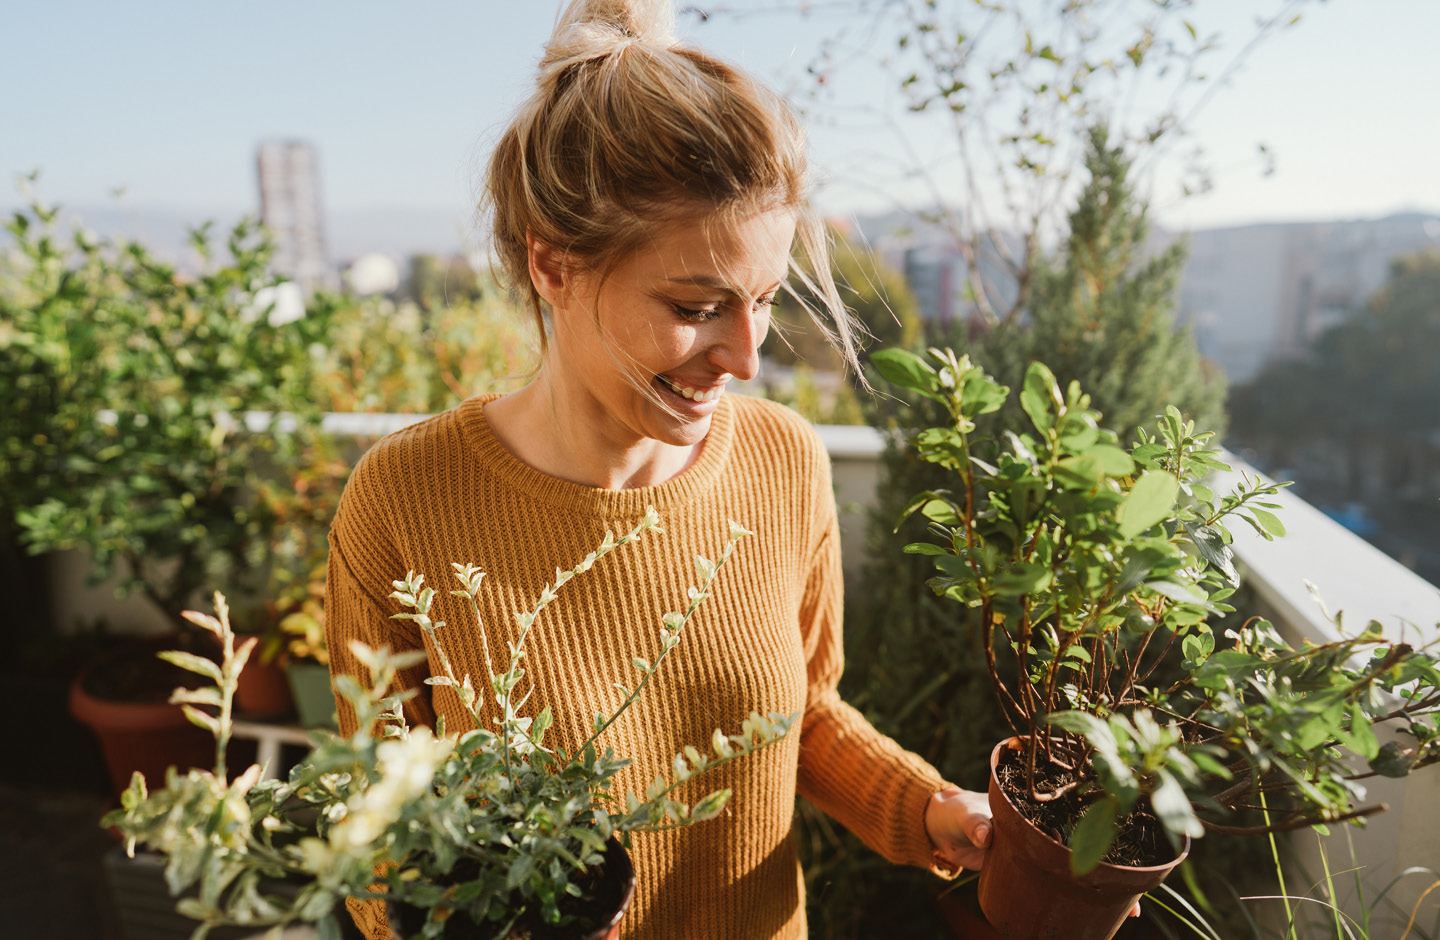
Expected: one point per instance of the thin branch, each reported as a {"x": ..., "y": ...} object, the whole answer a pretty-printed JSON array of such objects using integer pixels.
[{"x": 1298, "y": 822}]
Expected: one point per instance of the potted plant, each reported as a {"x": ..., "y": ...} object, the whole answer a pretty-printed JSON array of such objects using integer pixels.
[
  {"x": 158, "y": 420},
  {"x": 307, "y": 661},
  {"x": 457, "y": 830},
  {"x": 1082, "y": 565}
]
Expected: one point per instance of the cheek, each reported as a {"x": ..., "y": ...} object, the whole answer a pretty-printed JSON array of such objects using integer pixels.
[{"x": 651, "y": 341}]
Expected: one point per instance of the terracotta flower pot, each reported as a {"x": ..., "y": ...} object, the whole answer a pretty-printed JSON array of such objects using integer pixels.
[
  {"x": 263, "y": 691},
  {"x": 608, "y": 899},
  {"x": 148, "y": 736},
  {"x": 1028, "y": 893}
]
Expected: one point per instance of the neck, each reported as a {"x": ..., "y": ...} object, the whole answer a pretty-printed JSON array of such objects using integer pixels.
[{"x": 567, "y": 436}]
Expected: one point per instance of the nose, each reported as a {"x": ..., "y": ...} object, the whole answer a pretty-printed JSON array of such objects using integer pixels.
[{"x": 737, "y": 349}]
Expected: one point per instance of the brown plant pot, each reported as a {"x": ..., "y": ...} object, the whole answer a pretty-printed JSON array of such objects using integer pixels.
[
  {"x": 609, "y": 898},
  {"x": 263, "y": 691},
  {"x": 1028, "y": 893},
  {"x": 148, "y": 736}
]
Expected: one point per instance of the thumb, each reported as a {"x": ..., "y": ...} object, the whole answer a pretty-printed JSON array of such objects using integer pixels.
[{"x": 978, "y": 830}]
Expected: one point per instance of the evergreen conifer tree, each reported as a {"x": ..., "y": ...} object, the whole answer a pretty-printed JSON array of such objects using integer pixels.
[{"x": 1102, "y": 312}]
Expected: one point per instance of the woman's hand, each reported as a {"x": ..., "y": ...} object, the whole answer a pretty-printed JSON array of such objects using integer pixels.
[{"x": 958, "y": 824}]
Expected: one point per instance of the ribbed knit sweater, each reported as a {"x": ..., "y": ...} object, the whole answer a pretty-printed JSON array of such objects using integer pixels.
[{"x": 768, "y": 639}]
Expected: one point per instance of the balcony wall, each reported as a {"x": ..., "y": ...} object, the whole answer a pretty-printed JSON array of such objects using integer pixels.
[{"x": 1347, "y": 572}]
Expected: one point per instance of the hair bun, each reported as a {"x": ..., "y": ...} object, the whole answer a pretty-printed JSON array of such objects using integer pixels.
[{"x": 590, "y": 29}]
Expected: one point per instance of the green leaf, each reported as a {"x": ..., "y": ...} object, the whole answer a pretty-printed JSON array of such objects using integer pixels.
[
  {"x": 1211, "y": 545},
  {"x": 1393, "y": 760},
  {"x": 1268, "y": 521},
  {"x": 906, "y": 370},
  {"x": 1093, "y": 836},
  {"x": 939, "y": 510},
  {"x": 1111, "y": 459},
  {"x": 1079, "y": 472},
  {"x": 1150, "y": 501},
  {"x": 925, "y": 548},
  {"x": 197, "y": 717},
  {"x": 1025, "y": 578},
  {"x": 710, "y": 806},
  {"x": 1197, "y": 648},
  {"x": 1147, "y": 454},
  {"x": 1172, "y": 807},
  {"x": 981, "y": 394},
  {"x": 1362, "y": 734},
  {"x": 1226, "y": 667},
  {"x": 1039, "y": 396},
  {"x": 209, "y": 696},
  {"x": 192, "y": 663},
  {"x": 1082, "y": 723},
  {"x": 1209, "y": 764},
  {"x": 1180, "y": 593}
]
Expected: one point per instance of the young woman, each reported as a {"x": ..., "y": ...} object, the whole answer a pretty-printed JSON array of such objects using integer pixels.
[{"x": 644, "y": 201}]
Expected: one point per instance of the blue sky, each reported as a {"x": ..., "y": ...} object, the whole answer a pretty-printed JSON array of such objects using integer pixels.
[{"x": 168, "y": 99}]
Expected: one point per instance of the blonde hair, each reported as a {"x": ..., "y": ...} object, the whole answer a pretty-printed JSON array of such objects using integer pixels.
[{"x": 627, "y": 129}]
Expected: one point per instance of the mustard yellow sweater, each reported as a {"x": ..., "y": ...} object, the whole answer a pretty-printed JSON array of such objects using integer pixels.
[{"x": 768, "y": 639}]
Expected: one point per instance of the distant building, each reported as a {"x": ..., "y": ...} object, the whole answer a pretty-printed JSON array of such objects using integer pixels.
[
  {"x": 1256, "y": 293},
  {"x": 934, "y": 266},
  {"x": 1251, "y": 293},
  {"x": 931, "y": 271},
  {"x": 289, "y": 176}
]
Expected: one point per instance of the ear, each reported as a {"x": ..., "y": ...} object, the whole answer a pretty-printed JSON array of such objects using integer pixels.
[{"x": 548, "y": 271}]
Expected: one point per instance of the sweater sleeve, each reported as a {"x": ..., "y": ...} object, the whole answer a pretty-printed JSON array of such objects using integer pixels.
[
  {"x": 354, "y": 612},
  {"x": 862, "y": 778},
  {"x": 357, "y": 608},
  {"x": 364, "y": 559}
]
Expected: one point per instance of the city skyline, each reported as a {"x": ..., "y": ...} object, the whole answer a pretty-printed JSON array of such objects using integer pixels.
[{"x": 170, "y": 102}]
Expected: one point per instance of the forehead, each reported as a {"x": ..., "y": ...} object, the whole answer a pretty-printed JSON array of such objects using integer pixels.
[{"x": 750, "y": 252}]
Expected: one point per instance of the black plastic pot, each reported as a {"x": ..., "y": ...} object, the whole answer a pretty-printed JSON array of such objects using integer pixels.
[{"x": 601, "y": 910}]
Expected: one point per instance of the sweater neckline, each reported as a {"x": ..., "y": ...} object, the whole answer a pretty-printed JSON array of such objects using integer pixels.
[{"x": 699, "y": 478}]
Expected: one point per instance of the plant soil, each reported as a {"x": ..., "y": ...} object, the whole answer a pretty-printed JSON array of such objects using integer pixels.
[
  {"x": 133, "y": 673},
  {"x": 1141, "y": 841}
]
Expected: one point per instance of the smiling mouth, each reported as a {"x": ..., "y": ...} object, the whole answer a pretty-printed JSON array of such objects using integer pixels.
[{"x": 690, "y": 393}]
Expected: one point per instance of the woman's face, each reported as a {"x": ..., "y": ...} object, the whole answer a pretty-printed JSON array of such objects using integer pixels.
[{"x": 682, "y": 317}]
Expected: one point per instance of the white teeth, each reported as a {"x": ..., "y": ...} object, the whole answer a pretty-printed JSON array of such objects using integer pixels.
[{"x": 690, "y": 393}]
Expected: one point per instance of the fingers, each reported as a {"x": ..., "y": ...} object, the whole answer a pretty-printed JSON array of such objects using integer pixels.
[{"x": 959, "y": 826}]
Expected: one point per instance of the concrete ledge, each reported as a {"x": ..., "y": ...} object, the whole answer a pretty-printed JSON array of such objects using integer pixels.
[{"x": 1351, "y": 575}]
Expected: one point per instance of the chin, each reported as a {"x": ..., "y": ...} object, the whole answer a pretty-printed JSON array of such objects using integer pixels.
[{"x": 679, "y": 433}]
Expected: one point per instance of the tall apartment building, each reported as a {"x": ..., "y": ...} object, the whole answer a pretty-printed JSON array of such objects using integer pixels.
[{"x": 289, "y": 176}]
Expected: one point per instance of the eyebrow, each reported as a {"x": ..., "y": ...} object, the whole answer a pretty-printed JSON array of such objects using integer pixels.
[{"x": 715, "y": 283}]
